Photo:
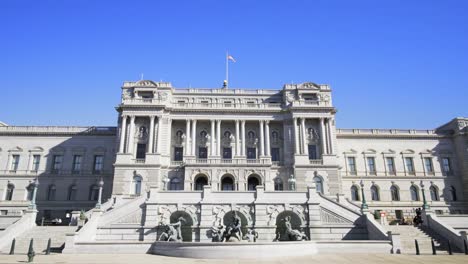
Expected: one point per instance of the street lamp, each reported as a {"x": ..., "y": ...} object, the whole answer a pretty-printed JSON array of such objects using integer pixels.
[
  {"x": 364, "y": 204},
  {"x": 425, "y": 205}
]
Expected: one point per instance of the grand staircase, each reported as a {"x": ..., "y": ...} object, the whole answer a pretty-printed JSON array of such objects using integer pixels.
[
  {"x": 409, "y": 233},
  {"x": 41, "y": 235}
]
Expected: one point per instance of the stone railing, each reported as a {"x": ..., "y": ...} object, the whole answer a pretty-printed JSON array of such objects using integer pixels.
[
  {"x": 225, "y": 105},
  {"x": 342, "y": 131},
  {"x": 58, "y": 130},
  {"x": 55, "y": 172},
  {"x": 191, "y": 161},
  {"x": 316, "y": 162}
]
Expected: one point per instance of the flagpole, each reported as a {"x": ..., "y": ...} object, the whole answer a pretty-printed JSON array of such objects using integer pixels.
[{"x": 227, "y": 70}]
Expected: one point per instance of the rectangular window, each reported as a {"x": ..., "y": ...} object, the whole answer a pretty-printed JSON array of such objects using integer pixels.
[
  {"x": 141, "y": 151},
  {"x": 250, "y": 104},
  {"x": 371, "y": 165},
  {"x": 3, "y": 212},
  {"x": 227, "y": 103},
  {"x": 352, "y": 165},
  {"x": 275, "y": 154},
  {"x": 409, "y": 165},
  {"x": 205, "y": 103},
  {"x": 428, "y": 165},
  {"x": 313, "y": 152},
  {"x": 202, "y": 153},
  {"x": 178, "y": 153},
  {"x": 57, "y": 163},
  {"x": 390, "y": 165},
  {"x": 181, "y": 103},
  {"x": 251, "y": 153},
  {"x": 76, "y": 168},
  {"x": 98, "y": 163},
  {"x": 227, "y": 153},
  {"x": 14, "y": 162},
  {"x": 36, "y": 162},
  {"x": 447, "y": 167}
]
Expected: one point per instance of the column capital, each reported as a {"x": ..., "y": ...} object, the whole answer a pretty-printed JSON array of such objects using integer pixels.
[
  {"x": 152, "y": 117},
  {"x": 267, "y": 122}
]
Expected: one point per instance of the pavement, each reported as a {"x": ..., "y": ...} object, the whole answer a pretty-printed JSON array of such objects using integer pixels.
[{"x": 316, "y": 259}]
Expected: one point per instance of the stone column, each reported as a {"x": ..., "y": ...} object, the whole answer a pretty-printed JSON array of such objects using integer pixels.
[
  {"x": 122, "y": 134},
  {"x": 158, "y": 140},
  {"x": 237, "y": 153},
  {"x": 132, "y": 135},
  {"x": 267, "y": 137},
  {"x": 187, "y": 138},
  {"x": 35, "y": 184},
  {"x": 330, "y": 138},
  {"x": 151, "y": 135},
  {"x": 262, "y": 140},
  {"x": 218, "y": 137},
  {"x": 296, "y": 137},
  {"x": 212, "y": 138},
  {"x": 304, "y": 140},
  {"x": 323, "y": 136},
  {"x": 243, "y": 137},
  {"x": 194, "y": 137}
]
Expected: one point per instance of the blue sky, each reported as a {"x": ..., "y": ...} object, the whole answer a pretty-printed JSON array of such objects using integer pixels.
[{"x": 391, "y": 64}]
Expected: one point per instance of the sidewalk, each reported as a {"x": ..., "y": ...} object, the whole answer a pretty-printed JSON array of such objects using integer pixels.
[{"x": 317, "y": 259}]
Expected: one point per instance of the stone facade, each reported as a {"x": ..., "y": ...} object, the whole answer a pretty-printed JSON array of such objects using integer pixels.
[{"x": 205, "y": 152}]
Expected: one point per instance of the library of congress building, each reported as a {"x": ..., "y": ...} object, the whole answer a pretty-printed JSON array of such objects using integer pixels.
[{"x": 202, "y": 153}]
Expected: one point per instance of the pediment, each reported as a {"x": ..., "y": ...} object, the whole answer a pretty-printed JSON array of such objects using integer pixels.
[
  {"x": 309, "y": 85},
  {"x": 408, "y": 151},
  {"x": 16, "y": 149},
  {"x": 57, "y": 149},
  {"x": 37, "y": 149},
  {"x": 145, "y": 83},
  {"x": 389, "y": 151}
]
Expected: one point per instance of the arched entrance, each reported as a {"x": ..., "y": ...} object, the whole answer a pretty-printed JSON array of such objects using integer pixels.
[
  {"x": 227, "y": 183},
  {"x": 200, "y": 181},
  {"x": 186, "y": 227},
  {"x": 280, "y": 226},
  {"x": 253, "y": 181}
]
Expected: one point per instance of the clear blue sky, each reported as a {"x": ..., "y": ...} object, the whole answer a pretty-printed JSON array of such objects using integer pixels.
[{"x": 391, "y": 64}]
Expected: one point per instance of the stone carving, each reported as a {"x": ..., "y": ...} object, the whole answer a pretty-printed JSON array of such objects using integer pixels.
[
  {"x": 233, "y": 232},
  {"x": 142, "y": 133},
  {"x": 290, "y": 97},
  {"x": 217, "y": 233},
  {"x": 313, "y": 134},
  {"x": 310, "y": 85},
  {"x": 126, "y": 94},
  {"x": 290, "y": 233},
  {"x": 331, "y": 218},
  {"x": 251, "y": 235},
  {"x": 173, "y": 231},
  {"x": 218, "y": 212},
  {"x": 162, "y": 96},
  {"x": 145, "y": 83}
]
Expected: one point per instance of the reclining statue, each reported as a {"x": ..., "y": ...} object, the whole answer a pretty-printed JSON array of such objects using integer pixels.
[
  {"x": 292, "y": 234},
  {"x": 173, "y": 231},
  {"x": 217, "y": 233}
]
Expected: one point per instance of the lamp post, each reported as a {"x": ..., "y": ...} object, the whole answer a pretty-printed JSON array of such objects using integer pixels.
[
  {"x": 425, "y": 205},
  {"x": 292, "y": 183},
  {"x": 364, "y": 204},
  {"x": 100, "y": 184},
  {"x": 34, "y": 184}
]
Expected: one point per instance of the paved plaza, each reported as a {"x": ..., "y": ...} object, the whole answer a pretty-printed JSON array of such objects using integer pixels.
[{"x": 143, "y": 258}]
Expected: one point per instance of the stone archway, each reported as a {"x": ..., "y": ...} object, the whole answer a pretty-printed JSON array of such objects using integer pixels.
[
  {"x": 280, "y": 226},
  {"x": 200, "y": 180},
  {"x": 253, "y": 181},
  {"x": 186, "y": 227}
]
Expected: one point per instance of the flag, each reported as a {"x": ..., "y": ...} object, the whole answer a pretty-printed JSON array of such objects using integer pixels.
[{"x": 229, "y": 57}]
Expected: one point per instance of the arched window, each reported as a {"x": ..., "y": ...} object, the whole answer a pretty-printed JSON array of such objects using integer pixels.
[
  {"x": 137, "y": 185},
  {"x": 375, "y": 195},
  {"x": 395, "y": 193},
  {"x": 93, "y": 193},
  {"x": 200, "y": 181},
  {"x": 318, "y": 184},
  {"x": 453, "y": 194},
  {"x": 29, "y": 191},
  {"x": 278, "y": 184},
  {"x": 354, "y": 193},
  {"x": 252, "y": 182},
  {"x": 51, "y": 192},
  {"x": 175, "y": 184},
  {"x": 227, "y": 183},
  {"x": 414, "y": 193},
  {"x": 72, "y": 193},
  {"x": 9, "y": 192},
  {"x": 434, "y": 193}
]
